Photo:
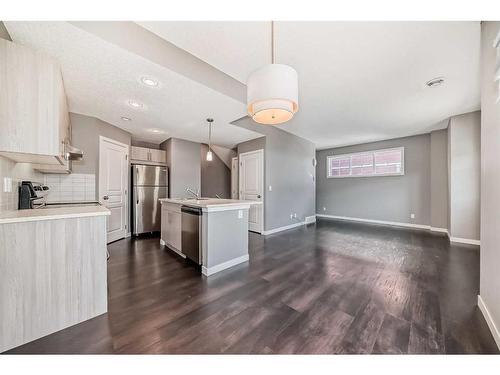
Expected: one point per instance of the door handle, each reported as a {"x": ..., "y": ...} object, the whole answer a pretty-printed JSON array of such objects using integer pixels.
[
  {"x": 259, "y": 196},
  {"x": 105, "y": 197}
]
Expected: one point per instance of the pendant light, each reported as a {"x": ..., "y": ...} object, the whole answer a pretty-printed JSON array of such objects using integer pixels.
[
  {"x": 209, "y": 153},
  {"x": 272, "y": 92}
]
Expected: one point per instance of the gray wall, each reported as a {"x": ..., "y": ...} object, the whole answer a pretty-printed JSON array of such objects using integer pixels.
[
  {"x": 288, "y": 168},
  {"x": 464, "y": 167},
  {"x": 490, "y": 175},
  {"x": 215, "y": 175},
  {"x": 252, "y": 145},
  {"x": 391, "y": 198},
  {"x": 439, "y": 179},
  {"x": 85, "y": 135},
  {"x": 183, "y": 160},
  {"x": 145, "y": 144}
]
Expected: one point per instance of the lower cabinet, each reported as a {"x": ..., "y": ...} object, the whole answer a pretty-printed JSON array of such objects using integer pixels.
[{"x": 171, "y": 225}]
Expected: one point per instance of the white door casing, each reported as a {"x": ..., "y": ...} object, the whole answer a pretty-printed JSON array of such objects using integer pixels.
[
  {"x": 113, "y": 181},
  {"x": 251, "y": 186},
  {"x": 234, "y": 178}
]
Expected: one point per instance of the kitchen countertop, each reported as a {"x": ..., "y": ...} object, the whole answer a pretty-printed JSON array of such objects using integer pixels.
[
  {"x": 38, "y": 214},
  {"x": 208, "y": 203}
]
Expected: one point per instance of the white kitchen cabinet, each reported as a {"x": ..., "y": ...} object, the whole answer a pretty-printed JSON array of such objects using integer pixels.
[
  {"x": 139, "y": 153},
  {"x": 158, "y": 156},
  {"x": 171, "y": 226},
  {"x": 148, "y": 155},
  {"x": 34, "y": 116}
]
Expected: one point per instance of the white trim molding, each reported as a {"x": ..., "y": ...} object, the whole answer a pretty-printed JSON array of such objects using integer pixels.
[
  {"x": 281, "y": 229},
  {"x": 223, "y": 266},
  {"x": 310, "y": 219},
  {"x": 489, "y": 320},
  {"x": 440, "y": 230},
  {"x": 381, "y": 222},
  {"x": 466, "y": 241}
]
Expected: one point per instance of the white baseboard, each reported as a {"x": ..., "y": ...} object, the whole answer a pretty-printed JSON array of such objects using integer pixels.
[
  {"x": 382, "y": 222},
  {"x": 466, "y": 241},
  {"x": 491, "y": 324},
  {"x": 223, "y": 266},
  {"x": 281, "y": 229},
  {"x": 440, "y": 230},
  {"x": 310, "y": 219}
]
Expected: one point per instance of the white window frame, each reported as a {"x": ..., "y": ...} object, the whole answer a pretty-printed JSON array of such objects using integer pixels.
[{"x": 401, "y": 172}]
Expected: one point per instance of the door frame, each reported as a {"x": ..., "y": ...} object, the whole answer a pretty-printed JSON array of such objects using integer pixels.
[
  {"x": 127, "y": 174},
  {"x": 236, "y": 160},
  {"x": 259, "y": 151}
]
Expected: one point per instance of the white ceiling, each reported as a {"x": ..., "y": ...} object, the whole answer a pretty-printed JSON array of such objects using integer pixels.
[
  {"x": 100, "y": 78},
  {"x": 358, "y": 81}
]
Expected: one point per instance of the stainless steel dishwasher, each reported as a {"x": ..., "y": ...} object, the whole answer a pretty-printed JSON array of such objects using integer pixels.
[{"x": 191, "y": 233}]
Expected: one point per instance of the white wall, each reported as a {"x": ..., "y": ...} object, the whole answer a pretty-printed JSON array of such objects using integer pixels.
[
  {"x": 490, "y": 181},
  {"x": 464, "y": 150}
]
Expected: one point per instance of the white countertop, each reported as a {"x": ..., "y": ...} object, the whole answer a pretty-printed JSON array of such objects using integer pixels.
[
  {"x": 208, "y": 203},
  {"x": 16, "y": 216}
]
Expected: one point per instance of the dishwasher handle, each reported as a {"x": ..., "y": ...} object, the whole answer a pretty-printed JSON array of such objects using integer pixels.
[{"x": 191, "y": 210}]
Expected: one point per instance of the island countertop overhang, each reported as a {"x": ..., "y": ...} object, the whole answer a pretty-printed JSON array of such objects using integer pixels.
[{"x": 212, "y": 204}]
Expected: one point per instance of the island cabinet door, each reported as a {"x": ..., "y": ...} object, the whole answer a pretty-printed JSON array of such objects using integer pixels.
[
  {"x": 164, "y": 224},
  {"x": 175, "y": 230}
]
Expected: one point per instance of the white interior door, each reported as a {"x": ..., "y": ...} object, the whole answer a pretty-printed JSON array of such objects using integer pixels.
[
  {"x": 234, "y": 178},
  {"x": 251, "y": 183},
  {"x": 113, "y": 180}
]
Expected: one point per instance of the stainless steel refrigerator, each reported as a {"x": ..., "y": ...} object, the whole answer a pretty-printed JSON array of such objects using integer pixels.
[{"x": 149, "y": 184}]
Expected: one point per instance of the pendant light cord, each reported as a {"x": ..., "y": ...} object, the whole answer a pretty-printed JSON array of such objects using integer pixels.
[
  {"x": 272, "y": 42},
  {"x": 209, "y": 136}
]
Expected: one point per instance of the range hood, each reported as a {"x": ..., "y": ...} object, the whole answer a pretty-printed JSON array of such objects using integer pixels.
[{"x": 72, "y": 153}]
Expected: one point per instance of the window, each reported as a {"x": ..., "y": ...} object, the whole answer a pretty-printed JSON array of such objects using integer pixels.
[{"x": 388, "y": 162}]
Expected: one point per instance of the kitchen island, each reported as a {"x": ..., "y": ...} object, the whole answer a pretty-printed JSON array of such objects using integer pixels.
[
  {"x": 53, "y": 271},
  {"x": 223, "y": 230}
]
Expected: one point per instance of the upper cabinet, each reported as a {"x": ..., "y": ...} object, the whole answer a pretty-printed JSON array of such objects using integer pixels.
[
  {"x": 34, "y": 119},
  {"x": 148, "y": 155}
]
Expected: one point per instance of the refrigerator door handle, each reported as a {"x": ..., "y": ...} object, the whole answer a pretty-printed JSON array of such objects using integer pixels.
[{"x": 136, "y": 194}]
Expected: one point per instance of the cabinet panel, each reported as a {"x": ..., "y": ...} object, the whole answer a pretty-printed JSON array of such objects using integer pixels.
[
  {"x": 158, "y": 156},
  {"x": 33, "y": 108},
  {"x": 164, "y": 222},
  {"x": 175, "y": 221},
  {"x": 139, "y": 153}
]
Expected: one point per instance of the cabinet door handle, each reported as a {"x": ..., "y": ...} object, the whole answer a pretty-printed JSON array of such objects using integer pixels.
[{"x": 105, "y": 197}]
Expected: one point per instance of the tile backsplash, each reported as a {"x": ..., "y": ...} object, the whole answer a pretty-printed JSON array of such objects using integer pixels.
[
  {"x": 11, "y": 175},
  {"x": 74, "y": 187}
]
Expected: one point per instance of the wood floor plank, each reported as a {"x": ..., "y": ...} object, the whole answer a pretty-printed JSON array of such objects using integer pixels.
[
  {"x": 333, "y": 287},
  {"x": 393, "y": 336}
]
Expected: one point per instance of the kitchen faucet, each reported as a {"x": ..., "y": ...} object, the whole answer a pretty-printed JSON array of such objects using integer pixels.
[{"x": 196, "y": 195}]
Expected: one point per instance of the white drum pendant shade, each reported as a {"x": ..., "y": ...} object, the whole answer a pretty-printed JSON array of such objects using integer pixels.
[{"x": 272, "y": 94}]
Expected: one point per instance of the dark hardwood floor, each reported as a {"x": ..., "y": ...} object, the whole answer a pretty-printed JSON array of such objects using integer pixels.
[{"x": 333, "y": 287}]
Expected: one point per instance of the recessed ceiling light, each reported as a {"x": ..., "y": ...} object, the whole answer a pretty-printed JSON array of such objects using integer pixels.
[
  {"x": 435, "y": 82},
  {"x": 156, "y": 130},
  {"x": 149, "y": 81},
  {"x": 135, "y": 104},
  {"x": 126, "y": 118}
]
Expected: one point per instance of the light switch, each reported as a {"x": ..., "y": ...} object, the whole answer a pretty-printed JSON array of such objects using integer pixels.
[
  {"x": 270, "y": 188},
  {"x": 7, "y": 185},
  {"x": 412, "y": 216},
  {"x": 240, "y": 214}
]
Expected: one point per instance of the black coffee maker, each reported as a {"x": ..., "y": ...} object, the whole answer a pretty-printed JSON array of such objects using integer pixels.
[{"x": 27, "y": 195}]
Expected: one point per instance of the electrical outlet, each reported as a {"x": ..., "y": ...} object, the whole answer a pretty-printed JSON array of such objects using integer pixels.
[
  {"x": 324, "y": 208},
  {"x": 291, "y": 216},
  {"x": 295, "y": 215},
  {"x": 270, "y": 188},
  {"x": 240, "y": 214},
  {"x": 412, "y": 216}
]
